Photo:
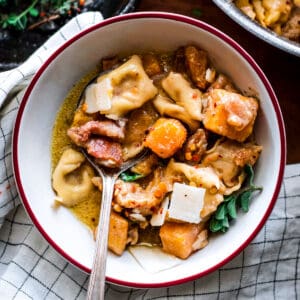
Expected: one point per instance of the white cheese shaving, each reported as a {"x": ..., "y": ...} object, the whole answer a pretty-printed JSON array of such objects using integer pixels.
[
  {"x": 186, "y": 203},
  {"x": 158, "y": 218},
  {"x": 98, "y": 96}
]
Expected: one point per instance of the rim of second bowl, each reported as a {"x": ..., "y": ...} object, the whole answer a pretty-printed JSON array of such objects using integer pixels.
[
  {"x": 151, "y": 15},
  {"x": 267, "y": 35}
]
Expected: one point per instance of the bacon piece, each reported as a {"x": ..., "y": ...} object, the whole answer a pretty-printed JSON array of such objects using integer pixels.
[
  {"x": 107, "y": 153},
  {"x": 108, "y": 128}
]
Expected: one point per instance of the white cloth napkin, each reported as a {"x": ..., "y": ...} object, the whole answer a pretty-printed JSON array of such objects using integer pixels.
[{"x": 269, "y": 268}]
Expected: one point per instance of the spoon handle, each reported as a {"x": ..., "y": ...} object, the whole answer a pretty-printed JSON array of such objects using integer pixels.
[{"x": 96, "y": 286}]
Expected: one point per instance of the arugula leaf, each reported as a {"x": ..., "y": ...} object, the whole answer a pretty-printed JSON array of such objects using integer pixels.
[
  {"x": 130, "y": 176},
  {"x": 227, "y": 210}
]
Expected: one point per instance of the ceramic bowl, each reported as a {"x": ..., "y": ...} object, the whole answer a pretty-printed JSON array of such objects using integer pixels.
[
  {"x": 134, "y": 33},
  {"x": 255, "y": 28}
]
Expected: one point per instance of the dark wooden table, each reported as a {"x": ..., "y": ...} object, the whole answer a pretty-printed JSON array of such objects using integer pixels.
[{"x": 282, "y": 69}]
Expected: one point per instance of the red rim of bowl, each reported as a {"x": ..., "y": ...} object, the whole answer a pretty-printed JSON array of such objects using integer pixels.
[{"x": 179, "y": 18}]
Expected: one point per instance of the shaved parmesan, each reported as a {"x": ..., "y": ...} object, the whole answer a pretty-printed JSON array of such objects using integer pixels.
[
  {"x": 158, "y": 218},
  {"x": 98, "y": 96},
  {"x": 153, "y": 259},
  {"x": 186, "y": 203}
]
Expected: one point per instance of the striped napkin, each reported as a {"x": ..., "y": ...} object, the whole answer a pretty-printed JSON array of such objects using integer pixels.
[{"x": 269, "y": 268}]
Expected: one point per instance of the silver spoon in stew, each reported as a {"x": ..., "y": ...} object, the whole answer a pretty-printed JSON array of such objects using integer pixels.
[
  {"x": 109, "y": 170},
  {"x": 96, "y": 286}
]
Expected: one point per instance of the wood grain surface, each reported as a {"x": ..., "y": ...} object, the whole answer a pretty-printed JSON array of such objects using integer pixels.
[{"x": 282, "y": 69}]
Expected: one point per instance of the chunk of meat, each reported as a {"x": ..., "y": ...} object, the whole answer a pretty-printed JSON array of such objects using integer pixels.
[
  {"x": 146, "y": 165},
  {"x": 195, "y": 146},
  {"x": 229, "y": 157},
  {"x": 223, "y": 82},
  {"x": 197, "y": 62},
  {"x": 131, "y": 195},
  {"x": 230, "y": 114},
  {"x": 179, "y": 61},
  {"x": 151, "y": 65},
  {"x": 108, "y": 128},
  {"x": 107, "y": 153},
  {"x": 138, "y": 122}
]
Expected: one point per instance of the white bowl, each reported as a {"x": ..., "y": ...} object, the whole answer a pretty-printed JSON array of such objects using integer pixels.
[{"x": 129, "y": 34}]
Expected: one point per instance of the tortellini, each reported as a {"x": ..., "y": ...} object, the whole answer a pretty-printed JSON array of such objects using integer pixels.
[
  {"x": 130, "y": 88},
  {"x": 166, "y": 107},
  {"x": 180, "y": 90},
  {"x": 204, "y": 177},
  {"x": 71, "y": 178}
]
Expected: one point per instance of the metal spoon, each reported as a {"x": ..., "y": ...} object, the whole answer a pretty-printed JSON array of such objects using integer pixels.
[{"x": 96, "y": 286}]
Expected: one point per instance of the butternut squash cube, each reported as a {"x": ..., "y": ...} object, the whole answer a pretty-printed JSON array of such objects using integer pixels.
[
  {"x": 118, "y": 230},
  {"x": 178, "y": 238},
  {"x": 166, "y": 137},
  {"x": 230, "y": 114}
]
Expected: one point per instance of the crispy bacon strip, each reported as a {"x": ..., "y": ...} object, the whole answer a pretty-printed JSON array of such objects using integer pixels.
[
  {"x": 107, "y": 153},
  {"x": 108, "y": 128}
]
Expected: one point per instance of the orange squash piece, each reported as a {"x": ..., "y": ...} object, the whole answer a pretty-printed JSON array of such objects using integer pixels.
[
  {"x": 118, "y": 230},
  {"x": 178, "y": 238},
  {"x": 230, "y": 114},
  {"x": 166, "y": 137}
]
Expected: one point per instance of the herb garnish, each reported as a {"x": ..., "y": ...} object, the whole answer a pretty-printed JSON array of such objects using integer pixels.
[
  {"x": 130, "y": 176},
  {"x": 227, "y": 210}
]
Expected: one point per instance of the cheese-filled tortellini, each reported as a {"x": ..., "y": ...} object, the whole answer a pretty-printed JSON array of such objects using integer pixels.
[
  {"x": 180, "y": 90},
  {"x": 125, "y": 88},
  {"x": 167, "y": 107},
  {"x": 71, "y": 178}
]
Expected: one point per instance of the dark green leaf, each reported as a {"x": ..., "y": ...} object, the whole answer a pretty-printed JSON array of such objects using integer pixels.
[
  {"x": 229, "y": 198},
  {"x": 227, "y": 210},
  {"x": 231, "y": 208},
  {"x": 244, "y": 200},
  {"x": 225, "y": 223},
  {"x": 215, "y": 225},
  {"x": 250, "y": 174},
  {"x": 220, "y": 213},
  {"x": 129, "y": 176}
]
